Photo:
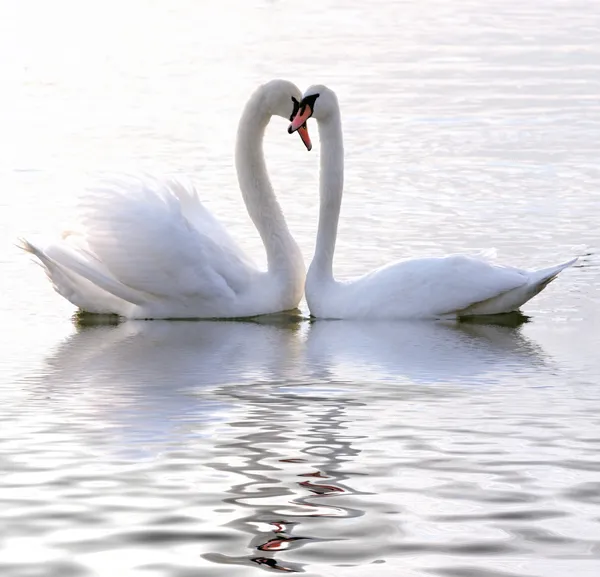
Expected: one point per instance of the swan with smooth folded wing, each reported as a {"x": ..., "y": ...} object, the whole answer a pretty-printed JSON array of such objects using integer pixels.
[{"x": 451, "y": 286}]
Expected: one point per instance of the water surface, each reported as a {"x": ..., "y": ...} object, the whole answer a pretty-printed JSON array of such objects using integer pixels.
[{"x": 175, "y": 449}]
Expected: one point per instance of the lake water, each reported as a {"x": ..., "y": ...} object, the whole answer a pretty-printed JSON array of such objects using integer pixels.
[{"x": 331, "y": 448}]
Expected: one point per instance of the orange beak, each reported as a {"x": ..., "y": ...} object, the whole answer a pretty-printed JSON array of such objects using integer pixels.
[
  {"x": 303, "y": 132},
  {"x": 299, "y": 124}
]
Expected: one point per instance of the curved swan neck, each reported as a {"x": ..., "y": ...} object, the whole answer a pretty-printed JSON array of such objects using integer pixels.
[
  {"x": 283, "y": 254},
  {"x": 331, "y": 186}
]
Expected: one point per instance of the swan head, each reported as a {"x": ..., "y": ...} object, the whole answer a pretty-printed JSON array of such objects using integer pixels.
[
  {"x": 319, "y": 102},
  {"x": 282, "y": 98}
]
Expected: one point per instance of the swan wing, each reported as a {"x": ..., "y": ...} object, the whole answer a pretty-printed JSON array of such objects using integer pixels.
[
  {"x": 157, "y": 238},
  {"x": 440, "y": 286},
  {"x": 203, "y": 220},
  {"x": 465, "y": 281}
]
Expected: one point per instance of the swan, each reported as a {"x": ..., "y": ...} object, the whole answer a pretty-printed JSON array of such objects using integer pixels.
[
  {"x": 447, "y": 287},
  {"x": 150, "y": 249}
]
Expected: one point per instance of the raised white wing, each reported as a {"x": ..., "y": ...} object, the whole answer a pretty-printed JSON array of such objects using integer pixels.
[{"x": 156, "y": 237}]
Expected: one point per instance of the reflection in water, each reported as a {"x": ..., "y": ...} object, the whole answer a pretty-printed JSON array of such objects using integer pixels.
[
  {"x": 143, "y": 375},
  {"x": 287, "y": 485},
  {"x": 204, "y": 353},
  {"x": 420, "y": 351},
  {"x": 293, "y": 446},
  {"x": 274, "y": 446}
]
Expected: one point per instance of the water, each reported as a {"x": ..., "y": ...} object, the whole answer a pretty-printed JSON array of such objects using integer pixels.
[{"x": 332, "y": 448}]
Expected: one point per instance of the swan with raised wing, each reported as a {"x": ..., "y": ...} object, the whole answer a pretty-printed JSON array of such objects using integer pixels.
[
  {"x": 150, "y": 249},
  {"x": 451, "y": 286}
]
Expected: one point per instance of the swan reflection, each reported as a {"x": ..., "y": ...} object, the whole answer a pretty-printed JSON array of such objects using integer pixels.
[
  {"x": 173, "y": 355},
  {"x": 293, "y": 447},
  {"x": 150, "y": 377},
  {"x": 419, "y": 351},
  {"x": 265, "y": 426},
  {"x": 298, "y": 444}
]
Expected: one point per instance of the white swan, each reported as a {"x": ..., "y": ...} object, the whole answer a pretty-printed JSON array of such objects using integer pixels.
[
  {"x": 451, "y": 286},
  {"x": 149, "y": 248}
]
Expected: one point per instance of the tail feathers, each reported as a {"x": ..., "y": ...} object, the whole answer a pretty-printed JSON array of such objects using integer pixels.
[
  {"x": 80, "y": 292},
  {"x": 60, "y": 278},
  {"x": 540, "y": 278},
  {"x": 513, "y": 299},
  {"x": 25, "y": 245},
  {"x": 44, "y": 261},
  {"x": 63, "y": 264}
]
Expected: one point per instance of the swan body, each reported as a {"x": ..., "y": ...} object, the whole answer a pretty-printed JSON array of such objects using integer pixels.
[
  {"x": 451, "y": 286},
  {"x": 150, "y": 249}
]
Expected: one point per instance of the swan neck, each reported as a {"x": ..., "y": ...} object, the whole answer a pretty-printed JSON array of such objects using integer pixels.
[
  {"x": 283, "y": 254},
  {"x": 331, "y": 185}
]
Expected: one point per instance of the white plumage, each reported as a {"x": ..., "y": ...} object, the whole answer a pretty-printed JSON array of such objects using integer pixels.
[
  {"x": 451, "y": 286},
  {"x": 149, "y": 249}
]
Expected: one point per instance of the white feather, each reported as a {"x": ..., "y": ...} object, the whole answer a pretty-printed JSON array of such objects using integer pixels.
[
  {"x": 149, "y": 249},
  {"x": 452, "y": 286}
]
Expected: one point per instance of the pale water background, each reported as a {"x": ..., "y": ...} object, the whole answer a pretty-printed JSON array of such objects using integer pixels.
[{"x": 333, "y": 449}]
